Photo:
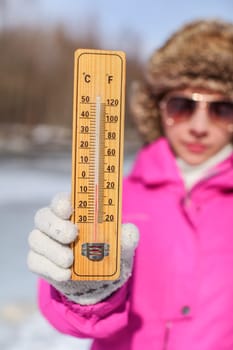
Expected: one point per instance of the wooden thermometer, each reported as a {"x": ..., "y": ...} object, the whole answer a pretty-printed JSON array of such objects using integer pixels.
[{"x": 97, "y": 158}]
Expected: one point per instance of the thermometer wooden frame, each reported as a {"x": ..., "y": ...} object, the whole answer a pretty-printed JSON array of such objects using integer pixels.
[{"x": 97, "y": 161}]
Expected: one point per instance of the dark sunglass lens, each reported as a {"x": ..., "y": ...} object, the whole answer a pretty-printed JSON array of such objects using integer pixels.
[
  {"x": 222, "y": 109},
  {"x": 180, "y": 107}
]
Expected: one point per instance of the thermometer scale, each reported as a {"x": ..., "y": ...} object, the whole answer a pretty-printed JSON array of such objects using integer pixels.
[{"x": 97, "y": 159}]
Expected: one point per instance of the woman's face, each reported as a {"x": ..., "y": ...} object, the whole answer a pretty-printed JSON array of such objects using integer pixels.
[{"x": 197, "y": 123}]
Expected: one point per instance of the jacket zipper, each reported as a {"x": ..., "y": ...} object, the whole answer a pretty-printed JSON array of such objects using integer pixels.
[{"x": 168, "y": 327}]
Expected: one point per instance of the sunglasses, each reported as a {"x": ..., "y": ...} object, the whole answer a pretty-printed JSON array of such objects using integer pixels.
[{"x": 180, "y": 108}]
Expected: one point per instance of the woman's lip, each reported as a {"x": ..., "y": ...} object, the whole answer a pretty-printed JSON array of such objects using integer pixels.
[{"x": 196, "y": 147}]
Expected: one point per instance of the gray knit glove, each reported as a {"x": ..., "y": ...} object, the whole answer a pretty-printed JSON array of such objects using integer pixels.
[{"x": 51, "y": 257}]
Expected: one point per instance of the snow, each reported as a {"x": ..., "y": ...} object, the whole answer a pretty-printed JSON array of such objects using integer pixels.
[
  {"x": 26, "y": 184},
  {"x": 35, "y": 333}
]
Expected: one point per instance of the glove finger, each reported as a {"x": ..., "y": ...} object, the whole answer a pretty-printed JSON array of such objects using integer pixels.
[
  {"x": 42, "y": 244},
  {"x": 129, "y": 239},
  {"x": 46, "y": 268},
  {"x": 61, "y": 205},
  {"x": 63, "y": 231}
]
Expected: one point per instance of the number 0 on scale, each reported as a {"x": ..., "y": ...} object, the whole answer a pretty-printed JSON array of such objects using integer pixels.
[{"x": 97, "y": 158}]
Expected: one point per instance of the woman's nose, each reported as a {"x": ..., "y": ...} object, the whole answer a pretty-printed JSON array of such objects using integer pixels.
[{"x": 199, "y": 123}]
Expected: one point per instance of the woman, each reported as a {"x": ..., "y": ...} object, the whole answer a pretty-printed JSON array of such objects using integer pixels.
[{"x": 178, "y": 292}]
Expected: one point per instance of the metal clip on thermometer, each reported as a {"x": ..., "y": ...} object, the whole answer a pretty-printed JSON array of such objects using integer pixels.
[{"x": 97, "y": 159}]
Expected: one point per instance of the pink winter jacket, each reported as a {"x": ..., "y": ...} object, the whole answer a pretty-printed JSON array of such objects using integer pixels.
[{"x": 180, "y": 296}]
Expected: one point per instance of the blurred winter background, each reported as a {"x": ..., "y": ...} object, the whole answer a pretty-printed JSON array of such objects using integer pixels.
[{"x": 37, "y": 40}]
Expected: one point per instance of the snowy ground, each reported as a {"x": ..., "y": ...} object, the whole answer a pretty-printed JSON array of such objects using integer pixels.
[{"x": 26, "y": 184}]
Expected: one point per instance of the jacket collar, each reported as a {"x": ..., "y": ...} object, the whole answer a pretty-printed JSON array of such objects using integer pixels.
[{"x": 155, "y": 165}]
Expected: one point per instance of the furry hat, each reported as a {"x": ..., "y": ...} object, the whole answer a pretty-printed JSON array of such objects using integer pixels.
[{"x": 200, "y": 54}]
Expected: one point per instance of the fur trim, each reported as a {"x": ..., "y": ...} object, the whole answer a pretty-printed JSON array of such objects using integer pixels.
[{"x": 200, "y": 54}]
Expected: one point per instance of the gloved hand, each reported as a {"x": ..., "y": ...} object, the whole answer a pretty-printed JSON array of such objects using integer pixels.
[{"x": 51, "y": 256}]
